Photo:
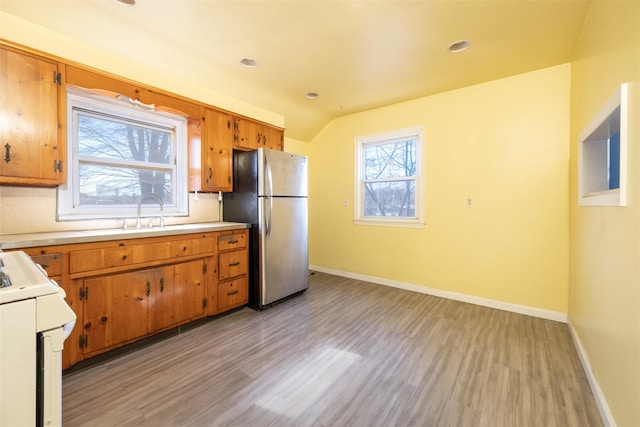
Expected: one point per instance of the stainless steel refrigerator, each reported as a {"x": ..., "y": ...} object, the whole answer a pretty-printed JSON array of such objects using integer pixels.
[{"x": 270, "y": 193}]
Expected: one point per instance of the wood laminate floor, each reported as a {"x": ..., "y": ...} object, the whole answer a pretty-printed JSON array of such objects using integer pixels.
[{"x": 345, "y": 353}]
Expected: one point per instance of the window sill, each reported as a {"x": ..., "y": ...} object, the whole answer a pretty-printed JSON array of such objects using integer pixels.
[{"x": 389, "y": 223}]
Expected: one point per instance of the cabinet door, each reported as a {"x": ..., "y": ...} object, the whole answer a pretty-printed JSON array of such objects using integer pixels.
[
  {"x": 245, "y": 134},
  {"x": 194, "y": 136},
  {"x": 217, "y": 151},
  {"x": 162, "y": 307},
  {"x": 115, "y": 309},
  {"x": 273, "y": 138},
  {"x": 211, "y": 280},
  {"x": 190, "y": 296},
  {"x": 31, "y": 152},
  {"x": 177, "y": 295}
]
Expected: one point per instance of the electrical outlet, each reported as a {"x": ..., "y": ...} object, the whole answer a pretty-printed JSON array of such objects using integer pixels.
[
  {"x": 469, "y": 202},
  {"x": 345, "y": 203}
]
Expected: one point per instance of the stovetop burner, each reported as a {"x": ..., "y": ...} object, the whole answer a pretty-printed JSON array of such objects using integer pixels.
[{"x": 4, "y": 279}]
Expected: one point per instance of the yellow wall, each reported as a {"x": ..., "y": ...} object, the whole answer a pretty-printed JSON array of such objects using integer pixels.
[
  {"x": 503, "y": 143},
  {"x": 604, "y": 302},
  {"x": 296, "y": 146}
]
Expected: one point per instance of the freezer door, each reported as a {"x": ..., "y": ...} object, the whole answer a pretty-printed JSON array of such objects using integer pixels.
[
  {"x": 281, "y": 174},
  {"x": 284, "y": 248}
]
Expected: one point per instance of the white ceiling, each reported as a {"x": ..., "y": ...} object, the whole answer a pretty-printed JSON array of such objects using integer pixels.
[{"x": 357, "y": 55}]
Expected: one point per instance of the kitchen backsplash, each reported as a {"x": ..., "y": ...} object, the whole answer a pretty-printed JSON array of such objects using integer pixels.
[{"x": 33, "y": 210}]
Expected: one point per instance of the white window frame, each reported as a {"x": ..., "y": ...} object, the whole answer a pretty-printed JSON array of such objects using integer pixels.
[
  {"x": 68, "y": 206},
  {"x": 361, "y": 143}
]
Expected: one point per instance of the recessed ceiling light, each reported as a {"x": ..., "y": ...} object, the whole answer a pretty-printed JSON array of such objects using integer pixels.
[
  {"x": 126, "y": 2},
  {"x": 459, "y": 46},
  {"x": 249, "y": 62},
  {"x": 312, "y": 95}
]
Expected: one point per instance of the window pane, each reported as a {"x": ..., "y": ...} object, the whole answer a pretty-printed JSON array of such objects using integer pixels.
[
  {"x": 105, "y": 185},
  {"x": 392, "y": 160},
  {"x": 101, "y": 136},
  {"x": 614, "y": 161},
  {"x": 391, "y": 199}
]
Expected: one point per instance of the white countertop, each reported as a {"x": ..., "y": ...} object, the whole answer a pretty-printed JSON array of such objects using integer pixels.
[{"x": 27, "y": 240}]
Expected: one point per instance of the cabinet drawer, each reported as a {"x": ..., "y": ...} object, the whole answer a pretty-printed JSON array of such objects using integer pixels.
[
  {"x": 201, "y": 245},
  {"x": 232, "y": 293},
  {"x": 52, "y": 263},
  {"x": 96, "y": 259},
  {"x": 124, "y": 254},
  {"x": 231, "y": 241},
  {"x": 205, "y": 245},
  {"x": 232, "y": 264}
]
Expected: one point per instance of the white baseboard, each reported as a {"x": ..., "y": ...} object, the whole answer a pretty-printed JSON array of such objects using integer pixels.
[
  {"x": 605, "y": 412},
  {"x": 486, "y": 302}
]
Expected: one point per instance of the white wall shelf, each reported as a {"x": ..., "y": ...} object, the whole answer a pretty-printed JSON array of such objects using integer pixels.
[{"x": 602, "y": 155}]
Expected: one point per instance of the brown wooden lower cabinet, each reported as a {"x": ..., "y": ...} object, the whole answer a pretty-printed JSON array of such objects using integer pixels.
[
  {"x": 121, "y": 308},
  {"x": 188, "y": 293},
  {"x": 115, "y": 311},
  {"x": 233, "y": 269},
  {"x": 125, "y": 290},
  {"x": 232, "y": 293}
]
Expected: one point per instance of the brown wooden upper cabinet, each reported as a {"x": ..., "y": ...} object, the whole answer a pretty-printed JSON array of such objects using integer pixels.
[
  {"x": 211, "y": 155},
  {"x": 250, "y": 135},
  {"x": 33, "y": 108},
  {"x": 32, "y": 140},
  {"x": 273, "y": 138},
  {"x": 217, "y": 151}
]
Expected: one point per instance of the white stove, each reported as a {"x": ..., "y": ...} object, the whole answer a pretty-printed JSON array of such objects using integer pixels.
[{"x": 34, "y": 322}]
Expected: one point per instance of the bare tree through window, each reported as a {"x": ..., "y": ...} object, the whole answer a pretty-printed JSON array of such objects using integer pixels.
[
  {"x": 121, "y": 160},
  {"x": 388, "y": 192},
  {"x": 388, "y": 173}
]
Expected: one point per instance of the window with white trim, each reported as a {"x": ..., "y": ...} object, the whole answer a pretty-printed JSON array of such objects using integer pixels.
[
  {"x": 118, "y": 150},
  {"x": 388, "y": 178}
]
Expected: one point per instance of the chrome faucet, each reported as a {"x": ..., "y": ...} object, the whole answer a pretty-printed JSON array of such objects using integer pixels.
[{"x": 144, "y": 196}]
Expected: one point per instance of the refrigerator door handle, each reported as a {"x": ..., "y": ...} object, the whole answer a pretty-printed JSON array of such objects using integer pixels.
[
  {"x": 268, "y": 177},
  {"x": 267, "y": 215}
]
